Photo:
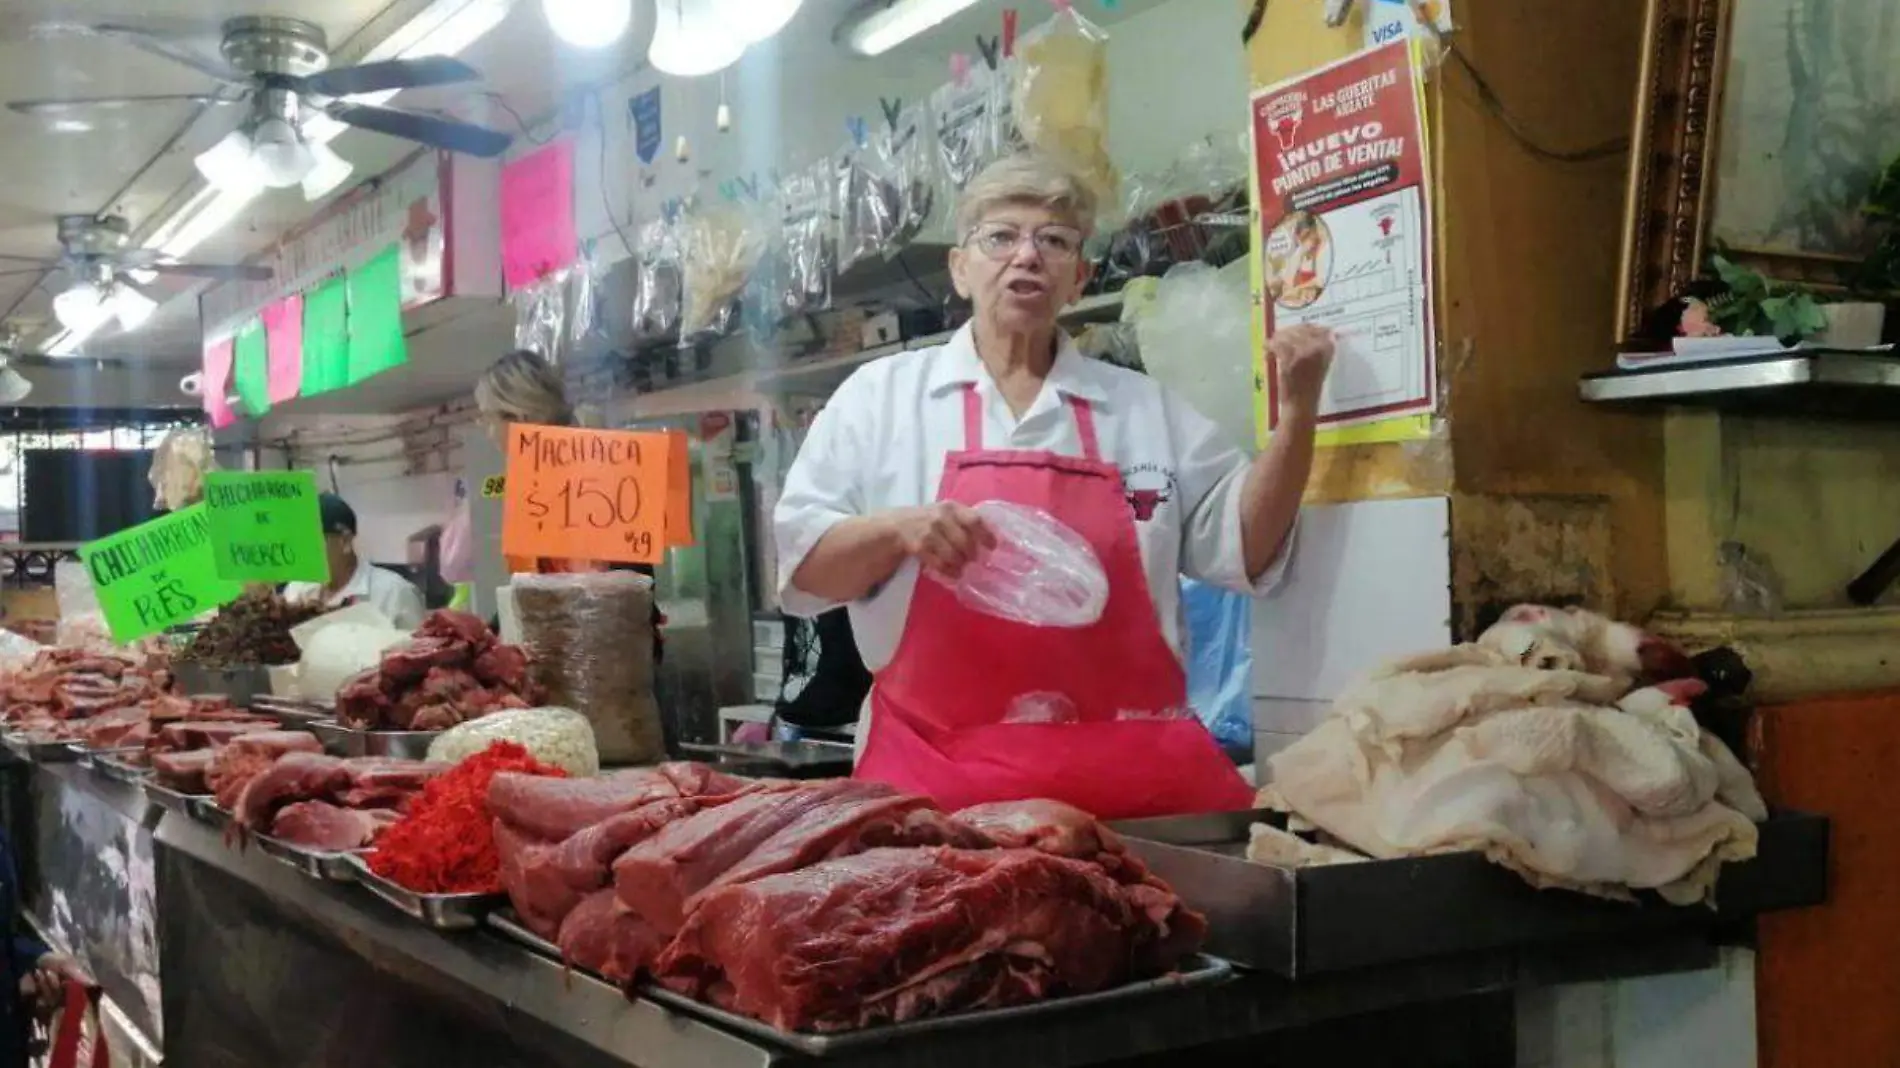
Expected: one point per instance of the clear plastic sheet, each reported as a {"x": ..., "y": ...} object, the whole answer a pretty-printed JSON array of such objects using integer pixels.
[
  {"x": 720, "y": 247},
  {"x": 1060, "y": 97},
  {"x": 591, "y": 636},
  {"x": 907, "y": 150},
  {"x": 1042, "y": 706},
  {"x": 583, "y": 297},
  {"x": 541, "y": 315},
  {"x": 656, "y": 282},
  {"x": 1041, "y": 572}
]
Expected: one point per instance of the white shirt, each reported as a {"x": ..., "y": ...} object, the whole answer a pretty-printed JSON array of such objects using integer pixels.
[
  {"x": 382, "y": 589},
  {"x": 880, "y": 442}
]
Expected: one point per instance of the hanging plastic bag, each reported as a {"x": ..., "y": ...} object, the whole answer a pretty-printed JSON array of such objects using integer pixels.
[
  {"x": 1060, "y": 97},
  {"x": 905, "y": 148},
  {"x": 656, "y": 282},
  {"x": 794, "y": 276},
  {"x": 719, "y": 249},
  {"x": 1041, "y": 571},
  {"x": 1197, "y": 340},
  {"x": 541, "y": 315},
  {"x": 458, "y": 545},
  {"x": 870, "y": 205},
  {"x": 967, "y": 137},
  {"x": 583, "y": 298},
  {"x": 178, "y": 468},
  {"x": 1219, "y": 626}
]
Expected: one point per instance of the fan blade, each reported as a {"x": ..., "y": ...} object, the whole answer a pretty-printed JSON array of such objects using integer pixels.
[
  {"x": 221, "y": 272},
  {"x": 153, "y": 45},
  {"x": 23, "y": 270},
  {"x": 423, "y": 129},
  {"x": 42, "y": 261},
  {"x": 87, "y": 103},
  {"x": 390, "y": 74},
  {"x": 40, "y": 359}
]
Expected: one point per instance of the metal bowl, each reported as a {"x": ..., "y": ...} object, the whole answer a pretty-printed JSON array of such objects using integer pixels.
[
  {"x": 241, "y": 684},
  {"x": 355, "y": 742}
]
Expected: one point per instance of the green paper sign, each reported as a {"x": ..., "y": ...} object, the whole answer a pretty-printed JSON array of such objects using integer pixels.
[
  {"x": 326, "y": 338},
  {"x": 251, "y": 367},
  {"x": 376, "y": 342},
  {"x": 157, "y": 573},
  {"x": 265, "y": 526}
]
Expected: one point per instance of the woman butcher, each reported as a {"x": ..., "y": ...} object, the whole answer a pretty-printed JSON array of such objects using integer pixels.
[{"x": 885, "y": 488}]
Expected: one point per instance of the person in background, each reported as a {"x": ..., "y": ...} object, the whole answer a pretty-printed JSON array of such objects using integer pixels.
[
  {"x": 523, "y": 387},
  {"x": 36, "y": 976},
  {"x": 886, "y": 486},
  {"x": 354, "y": 579}
]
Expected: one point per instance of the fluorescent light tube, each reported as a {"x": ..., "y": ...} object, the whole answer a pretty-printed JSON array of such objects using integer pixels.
[{"x": 877, "y": 32}]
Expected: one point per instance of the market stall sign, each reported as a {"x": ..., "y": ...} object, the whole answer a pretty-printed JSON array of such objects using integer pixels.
[
  {"x": 574, "y": 494},
  {"x": 266, "y": 526},
  {"x": 156, "y": 574}
]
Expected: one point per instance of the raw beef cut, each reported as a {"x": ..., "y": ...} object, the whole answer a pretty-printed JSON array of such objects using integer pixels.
[
  {"x": 203, "y": 734},
  {"x": 545, "y": 880},
  {"x": 452, "y": 670},
  {"x": 320, "y": 825},
  {"x": 290, "y": 778},
  {"x": 603, "y": 936},
  {"x": 552, "y": 809},
  {"x": 183, "y": 772},
  {"x": 656, "y": 877},
  {"x": 898, "y": 934},
  {"x": 386, "y": 782}
]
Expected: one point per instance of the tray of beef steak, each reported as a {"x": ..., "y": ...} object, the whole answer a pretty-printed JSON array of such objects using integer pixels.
[
  {"x": 453, "y": 669},
  {"x": 332, "y": 865},
  {"x": 444, "y": 912},
  {"x": 1319, "y": 909},
  {"x": 827, "y": 916},
  {"x": 40, "y": 748}
]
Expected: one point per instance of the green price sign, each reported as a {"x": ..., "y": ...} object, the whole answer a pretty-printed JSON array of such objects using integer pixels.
[
  {"x": 157, "y": 574},
  {"x": 265, "y": 526}
]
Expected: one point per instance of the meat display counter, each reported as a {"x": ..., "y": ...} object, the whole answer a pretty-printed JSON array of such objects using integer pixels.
[{"x": 264, "y": 965}]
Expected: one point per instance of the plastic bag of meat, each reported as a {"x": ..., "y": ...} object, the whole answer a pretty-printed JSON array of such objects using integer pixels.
[
  {"x": 591, "y": 636},
  {"x": 1041, "y": 572},
  {"x": 719, "y": 249},
  {"x": 656, "y": 281}
]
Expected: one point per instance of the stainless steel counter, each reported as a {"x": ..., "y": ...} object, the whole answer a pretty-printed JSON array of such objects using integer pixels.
[{"x": 263, "y": 965}]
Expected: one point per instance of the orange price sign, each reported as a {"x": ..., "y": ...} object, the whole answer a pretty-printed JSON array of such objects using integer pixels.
[{"x": 576, "y": 494}]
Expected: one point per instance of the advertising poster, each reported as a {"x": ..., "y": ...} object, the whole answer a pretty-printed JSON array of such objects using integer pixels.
[{"x": 1345, "y": 233}]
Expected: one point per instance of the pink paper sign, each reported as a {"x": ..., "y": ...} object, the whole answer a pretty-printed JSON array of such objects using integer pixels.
[
  {"x": 537, "y": 214},
  {"x": 283, "y": 334},
  {"x": 216, "y": 383}
]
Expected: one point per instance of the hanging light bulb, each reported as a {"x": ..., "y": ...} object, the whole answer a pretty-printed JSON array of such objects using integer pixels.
[
  {"x": 328, "y": 170},
  {"x": 690, "y": 39},
  {"x": 588, "y": 23},
  {"x": 133, "y": 308},
  {"x": 229, "y": 164},
  {"x": 753, "y": 21},
  {"x": 81, "y": 307},
  {"x": 281, "y": 156}
]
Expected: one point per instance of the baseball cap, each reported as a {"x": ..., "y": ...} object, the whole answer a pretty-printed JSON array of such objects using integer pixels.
[{"x": 338, "y": 516}]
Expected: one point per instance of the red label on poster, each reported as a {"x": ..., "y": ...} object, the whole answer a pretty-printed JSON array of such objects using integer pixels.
[{"x": 1344, "y": 229}]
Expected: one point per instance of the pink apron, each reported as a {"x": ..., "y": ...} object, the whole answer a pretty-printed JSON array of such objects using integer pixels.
[{"x": 938, "y": 708}]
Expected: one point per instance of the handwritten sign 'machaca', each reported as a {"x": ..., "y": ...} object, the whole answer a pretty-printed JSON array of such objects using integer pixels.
[
  {"x": 266, "y": 526},
  {"x": 574, "y": 494},
  {"x": 157, "y": 573}
]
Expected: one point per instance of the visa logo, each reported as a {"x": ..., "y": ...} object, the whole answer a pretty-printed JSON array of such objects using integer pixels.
[{"x": 1387, "y": 32}]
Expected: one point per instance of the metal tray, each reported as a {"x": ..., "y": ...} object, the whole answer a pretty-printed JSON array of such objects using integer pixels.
[
  {"x": 168, "y": 798},
  {"x": 204, "y": 808},
  {"x": 444, "y": 912},
  {"x": 40, "y": 751},
  {"x": 292, "y": 712},
  {"x": 333, "y": 866},
  {"x": 1307, "y": 921},
  {"x": 111, "y": 764},
  {"x": 353, "y": 742},
  {"x": 1201, "y": 970},
  {"x": 795, "y": 760}
]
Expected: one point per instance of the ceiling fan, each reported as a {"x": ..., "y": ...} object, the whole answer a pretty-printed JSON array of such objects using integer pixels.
[
  {"x": 99, "y": 258},
  {"x": 280, "y": 69}
]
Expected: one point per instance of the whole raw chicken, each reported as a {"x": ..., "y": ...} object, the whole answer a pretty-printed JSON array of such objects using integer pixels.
[{"x": 1531, "y": 746}]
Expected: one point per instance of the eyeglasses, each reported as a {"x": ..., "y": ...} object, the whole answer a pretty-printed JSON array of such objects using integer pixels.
[{"x": 999, "y": 241}]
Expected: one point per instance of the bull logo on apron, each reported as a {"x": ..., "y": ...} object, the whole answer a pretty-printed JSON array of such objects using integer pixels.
[{"x": 1146, "y": 487}]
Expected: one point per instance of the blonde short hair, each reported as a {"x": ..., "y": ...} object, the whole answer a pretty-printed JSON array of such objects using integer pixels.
[
  {"x": 522, "y": 387},
  {"x": 1026, "y": 178}
]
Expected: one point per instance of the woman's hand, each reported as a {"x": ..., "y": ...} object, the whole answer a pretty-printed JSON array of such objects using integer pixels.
[
  {"x": 944, "y": 536},
  {"x": 44, "y": 988},
  {"x": 1301, "y": 356}
]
